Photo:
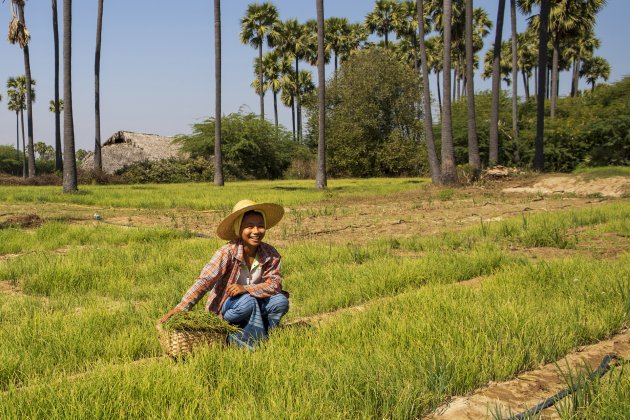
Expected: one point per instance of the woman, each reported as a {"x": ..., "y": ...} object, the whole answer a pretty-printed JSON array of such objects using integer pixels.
[{"x": 243, "y": 277}]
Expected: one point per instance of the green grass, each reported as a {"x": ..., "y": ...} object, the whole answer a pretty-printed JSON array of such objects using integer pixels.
[
  {"x": 78, "y": 338},
  {"x": 603, "y": 172},
  {"x": 206, "y": 196}
]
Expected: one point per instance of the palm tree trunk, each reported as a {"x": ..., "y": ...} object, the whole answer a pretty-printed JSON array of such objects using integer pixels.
[
  {"x": 525, "y": 85},
  {"x": 58, "y": 154},
  {"x": 539, "y": 160},
  {"x": 474, "y": 159},
  {"x": 260, "y": 84},
  {"x": 335, "y": 65},
  {"x": 320, "y": 179},
  {"x": 576, "y": 76},
  {"x": 17, "y": 136},
  {"x": 293, "y": 118},
  {"x": 218, "y": 155},
  {"x": 298, "y": 108},
  {"x": 69, "y": 158},
  {"x": 24, "y": 173},
  {"x": 554, "y": 76},
  {"x": 29, "y": 99},
  {"x": 98, "y": 162},
  {"x": 449, "y": 173},
  {"x": 275, "y": 110},
  {"x": 434, "y": 164},
  {"x": 517, "y": 156},
  {"x": 439, "y": 92},
  {"x": 493, "y": 140}
]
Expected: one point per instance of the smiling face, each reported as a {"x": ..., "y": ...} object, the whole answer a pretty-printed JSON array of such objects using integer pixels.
[{"x": 252, "y": 229}]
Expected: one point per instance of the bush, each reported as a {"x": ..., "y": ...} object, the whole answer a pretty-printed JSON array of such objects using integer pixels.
[
  {"x": 252, "y": 148},
  {"x": 171, "y": 170}
]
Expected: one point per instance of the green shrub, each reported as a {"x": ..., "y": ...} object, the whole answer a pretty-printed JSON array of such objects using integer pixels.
[{"x": 171, "y": 170}]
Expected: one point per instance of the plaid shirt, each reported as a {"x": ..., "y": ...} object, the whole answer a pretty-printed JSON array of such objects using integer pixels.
[{"x": 223, "y": 270}]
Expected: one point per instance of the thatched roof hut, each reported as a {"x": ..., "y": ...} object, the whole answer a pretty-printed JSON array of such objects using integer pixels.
[{"x": 125, "y": 148}]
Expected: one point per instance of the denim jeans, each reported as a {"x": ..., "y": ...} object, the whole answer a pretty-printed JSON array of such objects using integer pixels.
[{"x": 255, "y": 316}]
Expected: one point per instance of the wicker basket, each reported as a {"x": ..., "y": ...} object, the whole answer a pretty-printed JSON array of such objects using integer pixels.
[{"x": 178, "y": 343}]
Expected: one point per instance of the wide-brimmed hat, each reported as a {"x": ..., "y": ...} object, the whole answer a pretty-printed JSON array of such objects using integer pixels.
[{"x": 273, "y": 214}]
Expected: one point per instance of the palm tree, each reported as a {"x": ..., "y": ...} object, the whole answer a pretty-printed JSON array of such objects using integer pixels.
[
  {"x": 293, "y": 41},
  {"x": 380, "y": 19},
  {"x": 16, "y": 89},
  {"x": 337, "y": 31},
  {"x": 539, "y": 160},
  {"x": 434, "y": 60},
  {"x": 581, "y": 49},
  {"x": 218, "y": 155},
  {"x": 289, "y": 88},
  {"x": 18, "y": 33},
  {"x": 493, "y": 138},
  {"x": 320, "y": 178},
  {"x": 58, "y": 154},
  {"x": 69, "y": 158},
  {"x": 434, "y": 164},
  {"x": 14, "y": 105},
  {"x": 449, "y": 173},
  {"x": 473, "y": 145},
  {"x": 55, "y": 107},
  {"x": 275, "y": 67},
  {"x": 98, "y": 162},
  {"x": 305, "y": 86},
  {"x": 514, "y": 79},
  {"x": 257, "y": 27},
  {"x": 595, "y": 68}
]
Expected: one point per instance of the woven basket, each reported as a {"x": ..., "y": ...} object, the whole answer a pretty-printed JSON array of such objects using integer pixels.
[{"x": 178, "y": 343}]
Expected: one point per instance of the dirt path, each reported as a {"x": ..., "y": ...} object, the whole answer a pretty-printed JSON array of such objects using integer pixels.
[{"x": 530, "y": 388}]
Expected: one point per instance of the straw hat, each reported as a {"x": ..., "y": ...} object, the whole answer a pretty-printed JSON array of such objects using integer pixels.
[{"x": 273, "y": 214}]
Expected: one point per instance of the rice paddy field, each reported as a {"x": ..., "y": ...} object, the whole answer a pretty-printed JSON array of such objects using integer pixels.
[{"x": 402, "y": 296}]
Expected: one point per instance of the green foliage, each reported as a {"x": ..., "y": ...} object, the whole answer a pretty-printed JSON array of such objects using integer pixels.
[
  {"x": 171, "y": 170},
  {"x": 10, "y": 160},
  {"x": 372, "y": 127},
  {"x": 252, "y": 148}
]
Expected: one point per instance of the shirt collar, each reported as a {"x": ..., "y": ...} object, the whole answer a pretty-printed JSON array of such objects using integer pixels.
[{"x": 262, "y": 254}]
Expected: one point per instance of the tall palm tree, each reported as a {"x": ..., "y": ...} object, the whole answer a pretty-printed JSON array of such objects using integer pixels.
[
  {"x": 275, "y": 67},
  {"x": 69, "y": 158},
  {"x": 98, "y": 162},
  {"x": 14, "y": 105},
  {"x": 595, "y": 68},
  {"x": 18, "y": 33},
  {"x": 473, "y": 145},
  {"x": 493, "y": 138},
  {"x": 289, "y": 88},
  {"x": 58, "y": 154},
  {"x": 514, "y": 79},
  {"x": 380, "y": 19},
  {"x": 258, "y": 27},
  {"x": 305, "y": 86},
  {"x": 293, "y": 41},
  {"x": 218, "y": 155},
  {"x": 17, "y": 91},
  {"x": 320, "y": 178},
  {"x": 449, "y": 173},
  {"x": 581, "y": 48},
  {"x": 539, "y": 160},
  {"x": 434, "y": 60},
  {"x": 434, "y": 163},
  {"x": 337, "y": 31}
]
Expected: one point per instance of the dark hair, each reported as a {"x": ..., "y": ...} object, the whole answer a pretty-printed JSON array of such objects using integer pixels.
[{"x": 254, "y": 212}]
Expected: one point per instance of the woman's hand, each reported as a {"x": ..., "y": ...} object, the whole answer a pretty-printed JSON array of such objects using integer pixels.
[{"x": 235, "y": 290}]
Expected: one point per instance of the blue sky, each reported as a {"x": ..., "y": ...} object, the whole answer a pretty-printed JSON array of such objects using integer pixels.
[{"x": 157, "y": 61}]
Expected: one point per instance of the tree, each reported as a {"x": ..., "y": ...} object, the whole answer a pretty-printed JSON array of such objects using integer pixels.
[
  {"x": 514, "y": 76},
  {"x": 539, "y": 160},
  {"x": 321, "y": 181},
  {"x": 380, "y": 19},
  {"x": 337, "y": 33},
  {"x": 293, "y": 41},
  {"x": 54, "y": 109},
  {"x": 44, "y": 151},
  {"x": 69, "y": 158},
  {"x": 435, "y": 56},
  {"x": 473, "y": 145},
  {"x": 434, "y": 164},
  {"x": 14, "y": 105},
  {"x": 258, "y": 26},
  {"x": 58, "y": 154},
  {"x": 16, "y": 89},
  {"x": 595, "y": 68},
  {"x": 371, "y": 119},
  {"x": 98, "y": 162},
  {"x": 581, "y": 49},
  {"x": 218, "y": 155},
  {"x": 449, "y": 172},
  {"x": 18, "y": 33},
  {"x": 496, "y": 86}
]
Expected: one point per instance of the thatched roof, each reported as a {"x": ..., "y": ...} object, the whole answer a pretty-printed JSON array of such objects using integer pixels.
[{"x": 125, "y": 148}]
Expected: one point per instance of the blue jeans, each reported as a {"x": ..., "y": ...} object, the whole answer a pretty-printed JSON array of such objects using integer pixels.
[{"x": 254, "y": 316}]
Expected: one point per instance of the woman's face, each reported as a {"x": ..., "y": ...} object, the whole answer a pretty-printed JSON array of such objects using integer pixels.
[{"x": 252, "y": 229}]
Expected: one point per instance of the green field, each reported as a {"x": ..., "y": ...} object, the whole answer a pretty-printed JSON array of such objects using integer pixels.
[{"x": 79, "y": 302}]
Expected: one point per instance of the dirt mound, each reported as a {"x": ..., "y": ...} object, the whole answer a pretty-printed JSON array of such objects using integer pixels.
[
  {"x": 22, "y": 221},
  {"x": 616, "y": 186}
]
